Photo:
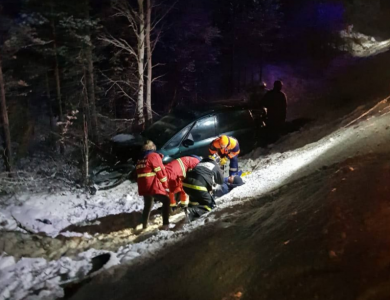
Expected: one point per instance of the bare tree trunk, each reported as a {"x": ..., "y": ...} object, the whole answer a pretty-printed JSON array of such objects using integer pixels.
[
  {"x": 85, "y": 148},
  {"x": 4, "y": 113},
  {"x": 58, "y": 80},
  {"x": 86, "y": 151},
  {"x": 92, "y": 101},
  {"x": 48, "y": 95},
  {"x": 149, "y": 116},
  {"x": 141, "y": 58},
  {"x": 91, "y": 83}
]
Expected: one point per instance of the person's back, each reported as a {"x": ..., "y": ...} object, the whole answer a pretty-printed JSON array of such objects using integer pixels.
[
  {"x": 152, "y": 182},
  {"x": 178, "y": 168},
  {"x": 198, "y": 185},
  {"x": 275, "y": 101},
  {"x": 177, "y": 171},
  {"x": 207, "y": 172}
]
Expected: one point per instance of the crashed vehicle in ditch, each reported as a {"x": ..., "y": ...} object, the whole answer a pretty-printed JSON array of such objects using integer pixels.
[
  {"x": 184, "y": 131},
  {"x": 187, "y": 131}
]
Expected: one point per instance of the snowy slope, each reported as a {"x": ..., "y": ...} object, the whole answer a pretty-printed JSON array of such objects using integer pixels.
[
  {"x": 66, "y": 208},
  {"x": 367, "y": 135}
]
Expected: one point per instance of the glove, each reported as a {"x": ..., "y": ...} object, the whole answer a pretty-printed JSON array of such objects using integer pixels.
[{"x": 223, "y": 161}]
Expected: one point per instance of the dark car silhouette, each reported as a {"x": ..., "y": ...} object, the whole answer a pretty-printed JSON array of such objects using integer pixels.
[{"x": 188, "y": 130}]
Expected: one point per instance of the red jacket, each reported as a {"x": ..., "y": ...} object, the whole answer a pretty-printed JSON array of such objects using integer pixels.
[
  {"x": 177, "y": 170},
  {"x": 151, "y": 175}
]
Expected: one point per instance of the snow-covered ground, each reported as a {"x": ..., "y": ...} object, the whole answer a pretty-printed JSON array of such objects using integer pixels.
[
  {"x": 38, "y": 278},
  {"x": 361, "y": 45},
  {"x": 65, "y": 208}
]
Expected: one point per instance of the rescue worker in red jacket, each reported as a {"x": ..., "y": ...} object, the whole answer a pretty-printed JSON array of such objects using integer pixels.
[
  {"x": 177, "y": 171},
  {"x": 226, "y": 146},
  {"x": 152, "y": 182}
]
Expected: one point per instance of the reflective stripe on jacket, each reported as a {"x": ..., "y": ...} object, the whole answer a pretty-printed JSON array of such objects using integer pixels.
[
  {"x": 151, "y": 175},
  {"x": 177, "y": 171}
]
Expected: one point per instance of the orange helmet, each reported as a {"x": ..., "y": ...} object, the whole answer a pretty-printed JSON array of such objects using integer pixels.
[{"x": 223, "y": 141}]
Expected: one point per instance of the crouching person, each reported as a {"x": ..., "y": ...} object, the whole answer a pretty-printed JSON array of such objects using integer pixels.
[
  {"x": 227, "y": 148},
  {"x": 177, "y": 171},
  {"x": 152, "y": 182},
  {"x": 198, "y": 185}
]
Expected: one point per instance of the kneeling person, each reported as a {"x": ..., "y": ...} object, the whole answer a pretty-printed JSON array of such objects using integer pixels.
[{"x": 198, "y": 185}]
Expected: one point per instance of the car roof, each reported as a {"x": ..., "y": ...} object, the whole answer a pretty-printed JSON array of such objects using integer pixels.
[{"x": 194, "y": 112}]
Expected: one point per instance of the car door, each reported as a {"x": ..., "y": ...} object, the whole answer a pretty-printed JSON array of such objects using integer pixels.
[
  {"x": 238, "y": 124},
  {"x": 171, "y": 149},
  {"x": 202, "y": 134}
]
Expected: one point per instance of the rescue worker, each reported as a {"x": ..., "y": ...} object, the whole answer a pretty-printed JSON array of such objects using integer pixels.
[
  {"x": 177, "y": 171},
  {"x": 226, "y": 147},
  {"x": 152, "y": 182},
  {"x": 199, "y": 183},
  {"x": 275, "y": 101},
  {"x": 275, "y": 104}
]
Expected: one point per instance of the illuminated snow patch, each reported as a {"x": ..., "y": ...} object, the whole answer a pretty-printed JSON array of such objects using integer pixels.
[{"x": 276, "y": 170}]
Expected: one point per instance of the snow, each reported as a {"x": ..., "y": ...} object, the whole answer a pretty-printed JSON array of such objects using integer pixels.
[
  {"x": 66, "y": 208},
  {"x": 19, "y": 279},
  {"x": 361, "y": 45},
  {"x": 122, "y": 138}
]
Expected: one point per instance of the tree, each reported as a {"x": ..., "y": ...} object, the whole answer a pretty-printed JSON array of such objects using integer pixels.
[
  {"x": 7, "y": 48},
  {"x": 90, "y": 76},
  {"x": 4, "y": 114},
  {"x": 85, "y": 139},
  {"x": 136, "y": 22},
  {"x": 149, "y": 115},
  {"x": 248, "y": 29},
  {"x": 190, "y": 51},
  {"x": 140, "y": 34}
]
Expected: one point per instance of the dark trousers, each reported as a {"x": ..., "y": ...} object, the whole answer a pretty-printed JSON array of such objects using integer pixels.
[
  {"x": 148, "y": 204},
  {"x": 267, "y": 135},
  {"x": 233, "y": 168},
  {"x": 201, "y": 202}
]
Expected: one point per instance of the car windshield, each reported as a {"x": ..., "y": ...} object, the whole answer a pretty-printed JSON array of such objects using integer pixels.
[{"x": 164, "y": 129}]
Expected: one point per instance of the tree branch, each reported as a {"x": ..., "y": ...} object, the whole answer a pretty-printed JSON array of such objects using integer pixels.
[
  {"x": 163, "y": 16},
  {"x": 119, "y": 43},
  {"x": 158, "y": 77}
]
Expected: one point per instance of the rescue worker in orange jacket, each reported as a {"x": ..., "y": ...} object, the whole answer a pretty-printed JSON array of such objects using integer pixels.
[
  {"x": 226, "y": 146},
  {"x": 152, "y": 182},
  {"x": 177, "y": 171}
]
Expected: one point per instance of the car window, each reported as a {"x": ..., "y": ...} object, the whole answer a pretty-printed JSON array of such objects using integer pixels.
[
  {"x": 234, "y": 120},
  {"x": 175, "y": 141},
  {"x": 203, "y": 129},
  {"x": 164, "y": 129}
]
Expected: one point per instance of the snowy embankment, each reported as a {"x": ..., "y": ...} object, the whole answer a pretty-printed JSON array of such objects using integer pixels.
[
  {"x": 38, "y": 278},
  {"x": 361, "y": 45},
  {"x": 51, "y": 213}
]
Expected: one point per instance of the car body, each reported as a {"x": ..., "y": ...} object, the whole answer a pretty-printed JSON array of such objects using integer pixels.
[{"x": 188, "y": 130}]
